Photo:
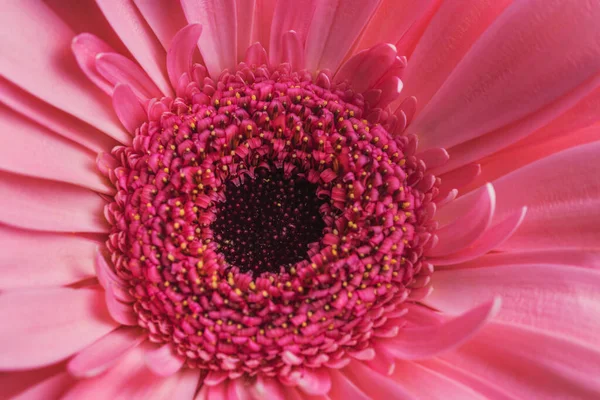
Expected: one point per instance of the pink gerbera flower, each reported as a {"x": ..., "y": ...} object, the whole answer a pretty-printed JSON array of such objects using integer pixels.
[{"x": 261, "y": 219}]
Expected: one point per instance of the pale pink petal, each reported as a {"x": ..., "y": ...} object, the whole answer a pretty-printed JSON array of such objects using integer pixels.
[
  {"x": 245, "y": 21},
  {"x": 492, "y": 239},
  {"x": 449, "y": 35},
  {"x": 562, "y": 193},
  {"x": 131, "y": 27},
  {"x": 187, "y": 382},
  {"x": 585, "y": 258},
  {"x": 86, "y": 47},
  {"x": 343, "y": 388},
  {"x": 468, "y": 226},
  {"x": 49, "y": 206},
  {"x": 218, "y": 43},
  {"x": 315, "y": 382},
  {"x": 29, "y": 149},
  {"x": 293, "y": 51},
  {"x": 268, "y": 388},
  {"x": 491, "y": 390},
  {"x": 31, "y": 259},
  {"x": 128, "y": 108},
  {"x": 179, "y": 57},
  {"x": 554, "y": 298},
  {"x": 164, "y": 361},
  {"x": 373, "y": 384},
  {"x": 116, "y": 69},
  {"x": 428, "y": 384},
  {"x": 51, "y": 388},
  {"x": 384, "y": 361},
  {"x": 526, "y": 55},
  {"x": 530, "y": 364},
  {"x": 121, "y": 312},
  {"x": 105, "y": 352},
  {"x": 46, "y": 69},
  {"x": 154, "y": 13},
  {"x": 418, "y": 343},
  {"x": 331, "y": 36},
  {"x": 43, "y": 326},
  {"x": 287, "y": 17}
]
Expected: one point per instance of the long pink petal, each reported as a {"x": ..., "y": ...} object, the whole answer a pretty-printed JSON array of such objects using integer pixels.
[
  {"x": 86, "y": 47},
  {"x": 373, "y": 384},
  {"x": 553, "y": 298},
  {"x": 51, "y": 388},
  {"x": 15, "y": 382},
  {"x": 264, "y": 16},
  {"x": 468, "y": 226},
  {"x": 119, "y": 69},
  {"x": 131, "y": 27},
  {"x": 524, "y": 55},
  {"x": 154, "y": 13},
  {"x": 289, "y": 17},
  {"x": 420, "y": 343},
  {"x": 331, "y": 34},
  {"x": 29, "y": 149},
  {"x": 245, "y": 20},
  {"x": 49, "y": 206},
  {"x": 52, "y": 118},
  {"x": 343, "y": 388},
  {"x": 315, "y": 382},
  {"x": 458, "y": 178},
  {"x": 121, "y": 312},
  {"x": 128, "y": 108},
  {"x": 46, "y": 70},
  {"x": 31, "y": 259},
  {"x": 218, "y": 44},
  {"x": 43, "y": 326},
  {"x": 164, "y": 361},
  {"x": 531, "y": 364},
  {"x": 562, "y": 193},
  {"x": 376, "y": 63},
  {"x": 293, "y": 51},
  {"x": 572, "y": 257},
  {"x": 103, "y": 353},
  {"x": 179, "y": 57}
]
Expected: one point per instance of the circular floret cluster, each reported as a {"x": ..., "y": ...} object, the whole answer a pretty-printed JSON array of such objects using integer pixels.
[{"x": 262, "y": 225}]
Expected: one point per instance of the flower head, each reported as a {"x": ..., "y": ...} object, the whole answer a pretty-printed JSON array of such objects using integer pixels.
[{"x": 267, "y": 223}]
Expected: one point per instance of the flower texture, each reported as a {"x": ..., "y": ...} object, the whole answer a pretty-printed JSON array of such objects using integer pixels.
[{"x": 317, "y": 199}]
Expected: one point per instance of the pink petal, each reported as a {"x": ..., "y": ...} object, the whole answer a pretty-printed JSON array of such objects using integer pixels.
[
  {"x": 458, "y": 178},
  {"x": 293, "y": 50},
  {"x": 376, "y": 63},
  {"x": 179, "y": 57},
  {"x": 530, "y": 364},
  {"x": 218, "y": 44},
  {"x": 132, "y": 29},
  {"x": 218, "y": 392},
  {"x": 434, "y": 158},
  {"x": 121, "y": 312},
  {"x": 525, "y": 55},
  {"x": 263, "y": 20},
  {"x": 86, "y": 47},
  {"x": 187, "y": 382},
  {"x": 256, "y": 55},
  {"x": 103, "y": 353},
  {"x": 562, "y": 193},
  {"x": 44, "y": 326},
  {"x": 154, "y": 13},
  {"x": 30, "y": 259},
  {"x": 29, "y": 149},
  {"x": 128, "y": 108},
  {"x": 492, "y": 239},
  {"x": 289, "y": 17},
  {"x": 553, "y": 298},
  {"x": 268, "y": 388},
  {"x": 449, "y": 35},
  {"x": 214, "y": 378},
  {"x": 373, "y": 384},
  {"x": 164, "y": 361},
  {"x": 15, "y": 382},
  {"x": 119, "y": 69},
  {"x": 330, "y": 36},
  {"x": 343, "y": 388},
  {"x": 571, "y": 257},
  {"x": 420, "y": 343},
  {"x": 45, "y": 70},
  {"x": 49, "y": 206},
  {"x": 315, "y": 382},
  {"x": 245, "y": 21},
  {"x": 50, "y": 388},
  {"x": 468, "y": 226},
  {"x": 53, "y": 119}
]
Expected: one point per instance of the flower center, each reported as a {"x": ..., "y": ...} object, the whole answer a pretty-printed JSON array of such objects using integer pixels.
[
  {"x": 268, "y": 222},
  {"x": 263, "y": 225}
]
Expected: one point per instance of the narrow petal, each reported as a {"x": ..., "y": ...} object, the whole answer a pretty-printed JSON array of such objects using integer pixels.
[
  {"x": 116, "y": 69},
  {"x": 86, "y": 47},
  {"x": 376, "y": 63},
  {"x": 263, "y": 19},
  {"x": 45, "y": 70},
  {"x": 31, "y": 259},
  {"x": 121, "y": 312},
  {"x": 128, "y": 108},
  {"x": 343, "y": 388},
  {"x": 179, "y": 57},
  {"x": 420, "y": 343},
  {"x": 526, "y": 55},
  {"x": 531, "y": 364},
  {"x": 334, "y": 28},
  {"x": 29, "y": 149},
  {"x": 103, "y": 353},
  {"x": 50, "y": 388},
  {"x": 49, "y": 206},
  {"x": 315, "y": 382},
  {"x": 15, "y": 382},
  {"x": 571, "y": 257},
  {"x": 131, "y": 27},
  {"x": 554, "y": 298},
  {"x": 293, "y": 51},
  {"x": 245, "y": 21},
  {"x": 164, "y": 361},
  {"x": 373, "y": 384},
  {"x": 458, "y": 178},
  {"x": 52, "y": 118},
  {"x": 288, "y": 17},
  {"x": 154, "y": 13},
  {"x": 218, "y": 44},
  {"x": 44, "y": 326}
]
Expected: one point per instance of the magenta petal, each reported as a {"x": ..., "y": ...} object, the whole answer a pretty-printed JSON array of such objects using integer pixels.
[{"x": 179, "y": 57}]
